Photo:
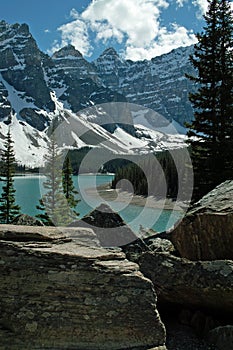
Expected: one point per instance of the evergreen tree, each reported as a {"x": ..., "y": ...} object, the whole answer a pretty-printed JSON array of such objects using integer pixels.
[
  {"x": 211, "y": 132},
  {"x": 56, "y": 211},
  {"x": 68, "y": 186},
  {"x": 151, "y": 182},
  {"x": 8, "y": 208}
]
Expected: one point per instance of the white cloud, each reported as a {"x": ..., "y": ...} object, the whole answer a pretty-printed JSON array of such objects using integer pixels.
[
  {"x": 134, "y": 23},
  {"x": 166, "y": 41},
  {"x": 75, "y": 33},
  {"x": 136, "y": 20},
  {"x": 181, "y": 3},
  {"x": 202, "y": 7}
]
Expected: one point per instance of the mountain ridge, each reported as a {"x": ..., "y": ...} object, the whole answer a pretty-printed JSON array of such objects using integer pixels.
[{"x": 28, "y": 77}]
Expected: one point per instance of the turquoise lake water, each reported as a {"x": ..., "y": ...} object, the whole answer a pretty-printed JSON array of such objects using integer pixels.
[{"x": 29, "y": 190}]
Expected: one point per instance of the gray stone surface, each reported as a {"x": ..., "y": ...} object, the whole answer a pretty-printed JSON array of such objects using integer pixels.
[
  {"x": 206, "y": 232},
  {"x": 58, "y": 292},
  {"x": 200, "y": 284}
]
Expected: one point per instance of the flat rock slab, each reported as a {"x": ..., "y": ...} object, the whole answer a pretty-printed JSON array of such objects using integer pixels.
[
  {"x": 21, "y": 233},
  {"x": 59, "y": 293}
]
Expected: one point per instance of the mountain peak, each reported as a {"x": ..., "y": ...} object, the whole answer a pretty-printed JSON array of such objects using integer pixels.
[
  {"x": 16, "y": 28},
  {"x": 109, "y": 52},
  {"x": 68, "y": 51},
  {"x": 3, "y": 23}
]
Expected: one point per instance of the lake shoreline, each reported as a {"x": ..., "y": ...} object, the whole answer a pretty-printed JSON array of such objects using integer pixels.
[
  {"x": 164, "y": 214},
  {"x": 111, "y": 195}
]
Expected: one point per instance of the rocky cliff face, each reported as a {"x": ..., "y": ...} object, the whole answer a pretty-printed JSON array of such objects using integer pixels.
[
  {"x": 72, "y": 62},
  {"x": 159, "y": 84},
  {"x": 32, "y": 75},
  {"x": 28, "y": 77},
  {"x": 76, "y": 81},
  {"x": 21, "y": 64},
  {"x": 60, "y": 290}
]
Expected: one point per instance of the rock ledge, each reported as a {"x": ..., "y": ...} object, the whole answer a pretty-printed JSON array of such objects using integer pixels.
[{"x": 61, "y": 292}]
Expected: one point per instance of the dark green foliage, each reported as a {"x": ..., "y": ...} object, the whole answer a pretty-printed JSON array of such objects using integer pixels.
[
  {"x": 76, "y": 157},
  {"x": 8, "y": 209},
  {"x": 151, "y": 177},
  {"x": 211, "y": 132},
  {"x": 135, "y": 175},
  {"x": 115, "y": 164},
  {"x": 68, "y": 186},
  {"x": 23, "y": 169},
  {"x": 55, "y": 207}
]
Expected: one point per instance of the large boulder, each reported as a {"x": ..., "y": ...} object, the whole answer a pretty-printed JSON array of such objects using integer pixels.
[
  {"x": 191, "y": 266},
  {"x": 60, "y": 290},
  {"x": 193, "y": 284},
  {"x": 108, "y": 225},
  {"x": 27, "y": 220},
  {"x": 206, "y": 232}
]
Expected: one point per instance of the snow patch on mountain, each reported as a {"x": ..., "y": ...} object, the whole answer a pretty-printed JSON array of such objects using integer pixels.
[
  {"x": 17, "y": 99},
  {"x": 30, "y": 145},
  {"x": 128, "y": 140},
  {"x": 36, "y": 90},
  {"x": 160, "y": 141}
]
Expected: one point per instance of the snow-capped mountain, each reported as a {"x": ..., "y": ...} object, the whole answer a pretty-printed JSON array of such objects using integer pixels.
[
  {"x": 36, "y": 89},
  {"x": 159, "y": 84}
]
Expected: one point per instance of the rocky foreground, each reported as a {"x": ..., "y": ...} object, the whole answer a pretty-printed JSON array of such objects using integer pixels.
[
  {"x": 59, "y": 292},
  {"x": 59, "y": 289},
  {"x": 191, "y": 268}
]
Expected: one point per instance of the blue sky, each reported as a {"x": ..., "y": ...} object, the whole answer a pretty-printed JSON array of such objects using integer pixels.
[{"x": 138, "y": 29}]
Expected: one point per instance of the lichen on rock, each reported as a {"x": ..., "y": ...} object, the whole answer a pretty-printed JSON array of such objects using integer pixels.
[{"x": 61, "y": 292}]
